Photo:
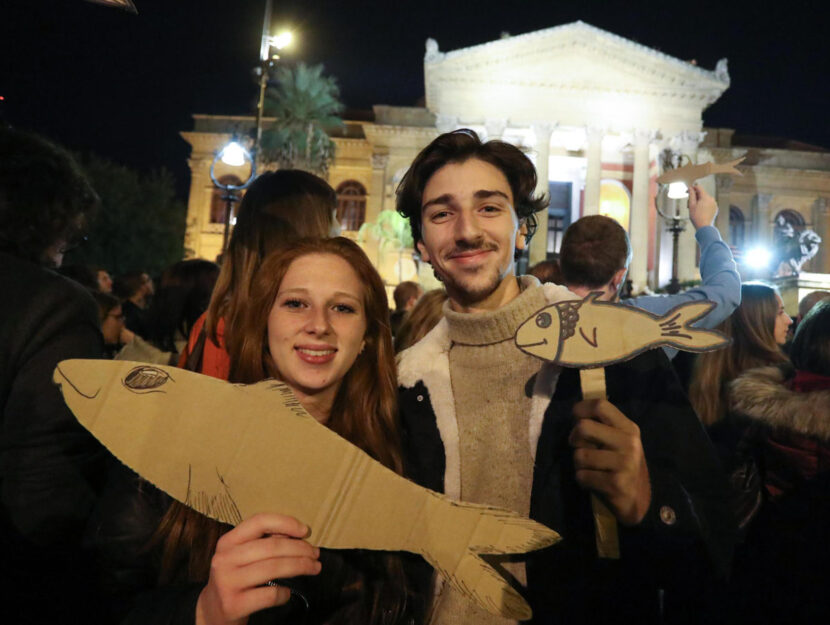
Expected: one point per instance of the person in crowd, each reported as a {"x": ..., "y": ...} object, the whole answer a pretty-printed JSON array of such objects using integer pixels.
[
  {"x": 104, "y": 280},
  {"x": 406, "y": 295},
  {"x": 182, "y": 297},
  {"x": 778, "y": 572},
  {"x": 51, "y": 468},
  {"x": 758, "y": 329},
  {"x": 316, "y": 317},
  {"x": 487, "y": 423},
  {"x": 279, "y": 207},
  {"x": 807, "y": 302},
  {"x": 121, "y": 343},
  {"x": 135, "y": 289},
  {"x": 423, "y": 317},
  {"x": 546, "y": 271}
]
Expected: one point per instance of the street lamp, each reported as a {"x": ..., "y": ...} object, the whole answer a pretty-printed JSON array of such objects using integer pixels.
[
  {"x": 279, "y": 41},
  {"x": 676, "y": 223},
  {"x": 233, "y": 154}
]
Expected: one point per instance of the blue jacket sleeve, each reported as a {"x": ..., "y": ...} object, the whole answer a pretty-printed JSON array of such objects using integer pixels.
[{"x": 720, "y": 284}]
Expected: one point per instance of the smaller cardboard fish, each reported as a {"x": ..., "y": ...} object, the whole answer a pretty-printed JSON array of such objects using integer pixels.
[
  {"x": 592, "y": 333},
  {"x": 690, "y": 173},
  {"x": 233, "y": 450}
]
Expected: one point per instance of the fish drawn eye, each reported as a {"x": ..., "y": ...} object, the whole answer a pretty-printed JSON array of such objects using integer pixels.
[
  {"x": 145, "y": 379},
  {"x": 543, "y": 320}
]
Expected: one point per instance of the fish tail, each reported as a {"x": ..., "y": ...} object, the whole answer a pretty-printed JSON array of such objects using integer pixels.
[
  {"x": 729, "y": 168},
  {"x": 495, "y": 532},
  {"x": 676, "y": 330}
]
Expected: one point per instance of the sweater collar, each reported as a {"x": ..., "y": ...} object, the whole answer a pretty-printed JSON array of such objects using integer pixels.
[{"x": 487, "y": 328}]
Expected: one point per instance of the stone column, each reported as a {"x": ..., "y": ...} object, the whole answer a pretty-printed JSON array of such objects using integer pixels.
[
  {"x": 446, "y": 123},
  {"x": 761, "y": 231},
  {"x": 495, "y": 128},
  {"x": 377, "y": 194},
  {"x": 539, "y": 243},
  {"x": 687, "y": 142},
  {"x": 638, "y": 230},
  {"x": 198, "y": 206},
  {"x": 821, "y": 226},
  {"x": 592, "y": 176},
  {"x": 723, "y": 190}
]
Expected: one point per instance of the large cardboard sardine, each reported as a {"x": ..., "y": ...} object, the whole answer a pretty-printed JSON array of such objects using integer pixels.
[
  {"x": 690, "y": 173},
  {"x": 592, "y": 333},
  {"x": 231, "y": 451}
]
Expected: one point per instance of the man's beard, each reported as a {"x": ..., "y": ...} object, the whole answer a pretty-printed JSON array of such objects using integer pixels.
[{"x": 471, "y": 288}]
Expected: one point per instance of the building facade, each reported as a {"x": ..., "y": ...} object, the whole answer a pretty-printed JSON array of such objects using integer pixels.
[{"x": 599, "y": 115}]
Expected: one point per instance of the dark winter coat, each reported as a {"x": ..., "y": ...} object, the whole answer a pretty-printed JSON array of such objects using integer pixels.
[{"x": 682, "y": 545}]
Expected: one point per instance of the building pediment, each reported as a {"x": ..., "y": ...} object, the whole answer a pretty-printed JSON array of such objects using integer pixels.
[{"x": 560, "y": 65}]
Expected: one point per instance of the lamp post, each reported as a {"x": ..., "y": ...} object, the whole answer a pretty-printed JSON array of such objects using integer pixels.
[
  {"x": 676, "y": 223},
  {"x": 266, "y": 58},
  {"x": 234, "y": 155}
]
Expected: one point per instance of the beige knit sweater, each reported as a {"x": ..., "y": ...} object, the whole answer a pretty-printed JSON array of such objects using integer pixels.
[{"x": 489, "y": 378}]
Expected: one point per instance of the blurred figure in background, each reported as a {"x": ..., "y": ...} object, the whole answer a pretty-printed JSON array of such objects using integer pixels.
[
  {"x": 135, "y": 289},
  {"x": 778, "y": 573},
  {"x": 182, "y": 297},
  {"x": 547, "y": 271},
  {"x": 279, "y": 207},
  {"x": 421, "y": 319},
  {"x": 104, "y": 280},
  {"x": 121, "y": 343},
  {"x": 51, "y": 468},
  {"x": 406, "y": 294}
]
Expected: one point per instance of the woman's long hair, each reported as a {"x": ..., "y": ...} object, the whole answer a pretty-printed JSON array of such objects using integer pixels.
[
  {"x": 364, "y": 413},
  {"x": 278, "y": 207},
  {"x": 752, "y": 330}
]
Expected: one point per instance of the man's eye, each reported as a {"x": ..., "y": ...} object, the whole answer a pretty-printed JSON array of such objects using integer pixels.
[
  {"x": 491, "y": 209},
  {"x": 439, "y": 215}
]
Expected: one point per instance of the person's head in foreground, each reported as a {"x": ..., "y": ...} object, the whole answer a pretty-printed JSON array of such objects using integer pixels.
[
  {"x": 810, "y": 349},
  {"x": 316, "y": 319},
  {"x": 45, "y": 199},
  {"x": 758, "y": 329},
  {"x": 594, "y": 256},
  {"x": 471, "y": 206}
]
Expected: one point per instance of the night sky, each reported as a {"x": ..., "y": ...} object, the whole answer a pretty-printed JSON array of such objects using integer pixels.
[{"x": 123, "y": 86}]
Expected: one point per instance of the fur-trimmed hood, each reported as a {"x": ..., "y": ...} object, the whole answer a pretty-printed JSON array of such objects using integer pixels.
[{"x": 763, "y": 395}]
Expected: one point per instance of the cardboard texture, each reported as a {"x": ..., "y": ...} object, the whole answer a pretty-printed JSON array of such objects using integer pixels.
[
  {"x": 231, "y": 451},
  {"x": 589, "y": 334},
  {"x": 689, "y": 173}
]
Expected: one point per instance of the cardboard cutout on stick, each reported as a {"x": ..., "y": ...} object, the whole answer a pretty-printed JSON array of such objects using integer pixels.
[
  {"x": 231, "y": 451},
  {"x": 690, "y": 173},
  {"x": 588, "y": 334}
]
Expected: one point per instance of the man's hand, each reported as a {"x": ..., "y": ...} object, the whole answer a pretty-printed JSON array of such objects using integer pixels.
[
  {"x": 609, "y": 459},
  {"x": 702, "y": 207}
]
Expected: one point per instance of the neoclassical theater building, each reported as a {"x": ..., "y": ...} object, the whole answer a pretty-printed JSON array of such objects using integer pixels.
[{"x": 600, "y": 116}]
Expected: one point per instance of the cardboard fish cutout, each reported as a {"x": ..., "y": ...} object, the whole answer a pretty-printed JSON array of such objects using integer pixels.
[
  {"x": 231, "y": 451},
  {"x": 589, "y": 334},
  {"x": 690, "y": 173}
]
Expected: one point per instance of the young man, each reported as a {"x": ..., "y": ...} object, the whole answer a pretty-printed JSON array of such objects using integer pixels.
[
  {"x": 596, "y": 252},
  {"x": 481, "y": 422}
]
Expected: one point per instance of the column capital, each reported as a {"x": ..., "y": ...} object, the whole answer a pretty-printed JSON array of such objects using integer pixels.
[
  {"x": 821, "y": 206},
  {"x": 724, "y": 182},
  {"x": 495, "y": 128},
  {"x": 446, "y": 123},
  {"x": 687, "y": 141},
  {"x": 594, "y": 134},
  {"x": 762, "y": 200},
  {"x": 643, "y": 136},
  {"x": 542, "y": 131},
  {"x": 380, "y": 161}
]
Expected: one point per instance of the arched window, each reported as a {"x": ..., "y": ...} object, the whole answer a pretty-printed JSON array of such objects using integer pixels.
[
  {"x": 351, "y": 205},
  {"x": 217, "y": 204},
  {"x": 736, "y": 227},
  {"x": 792, "y": 218}
]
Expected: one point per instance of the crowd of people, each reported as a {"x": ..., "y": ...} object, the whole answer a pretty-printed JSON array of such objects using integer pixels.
[{"x": 717, "y": 478}]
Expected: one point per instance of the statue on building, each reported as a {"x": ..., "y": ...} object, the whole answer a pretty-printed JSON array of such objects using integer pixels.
[{"x": 793, "y": 247}]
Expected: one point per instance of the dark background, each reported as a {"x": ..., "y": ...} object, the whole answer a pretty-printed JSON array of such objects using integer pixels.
[{"x": 121, "y": 85}]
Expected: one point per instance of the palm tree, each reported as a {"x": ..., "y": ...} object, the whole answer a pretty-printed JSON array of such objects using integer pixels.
[{"x": 306, "y": 105}]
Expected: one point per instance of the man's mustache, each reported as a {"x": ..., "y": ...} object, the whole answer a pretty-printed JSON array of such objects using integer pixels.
[{"x": 473, "y": 246}]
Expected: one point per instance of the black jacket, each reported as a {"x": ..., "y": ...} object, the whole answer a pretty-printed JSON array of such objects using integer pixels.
[
  {"x": 51, "y": 468},
  {"x": 667, "y": 561}
]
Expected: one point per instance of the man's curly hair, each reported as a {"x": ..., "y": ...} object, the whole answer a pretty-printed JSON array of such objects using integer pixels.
[
  {"x": 45, "y": 199},
  {"x": 457, "y": 147}
]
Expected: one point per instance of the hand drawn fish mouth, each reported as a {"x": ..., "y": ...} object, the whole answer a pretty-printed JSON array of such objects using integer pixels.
[{"x": 542, "y": 342}]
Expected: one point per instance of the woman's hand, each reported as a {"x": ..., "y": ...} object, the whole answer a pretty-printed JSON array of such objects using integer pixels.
[{"x": 258, "y": 550}]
